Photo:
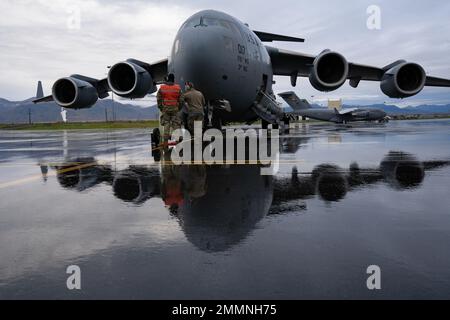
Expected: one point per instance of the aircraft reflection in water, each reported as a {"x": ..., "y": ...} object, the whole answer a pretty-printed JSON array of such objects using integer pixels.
[{"x": 218, "y": 206}]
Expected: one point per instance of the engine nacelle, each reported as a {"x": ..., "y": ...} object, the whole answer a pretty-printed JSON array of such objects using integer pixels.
[
  {"x": 329, "y": 71},
  {"x": 402, "y": 170},
  {"x": 404, "y": 80},
  {"x": 129, "y": 80},
  {"x": 73, "y": 93}
]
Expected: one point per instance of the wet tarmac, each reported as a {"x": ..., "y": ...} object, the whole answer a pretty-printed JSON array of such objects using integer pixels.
[{"x": 344, "y": 198}]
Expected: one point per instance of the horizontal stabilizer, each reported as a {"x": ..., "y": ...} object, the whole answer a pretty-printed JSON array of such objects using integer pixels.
[
  {"x": 294, "y": 101},
  {"x": 269, "y": 37},
  {"x": 43, "y": 99}
]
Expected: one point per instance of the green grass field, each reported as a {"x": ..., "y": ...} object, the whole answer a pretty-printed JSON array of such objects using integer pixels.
[
  {"x": 143, "y": 124},
  {"x": 82, "y": 125}
]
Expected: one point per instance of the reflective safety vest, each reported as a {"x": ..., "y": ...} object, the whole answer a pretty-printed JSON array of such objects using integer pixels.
[{"x": 170, "y": 95}]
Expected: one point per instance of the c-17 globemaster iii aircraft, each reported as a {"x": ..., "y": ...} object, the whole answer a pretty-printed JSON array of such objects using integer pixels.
[
  {"x": 228, "y": 62},
  {"x": 302, "y": 108}
]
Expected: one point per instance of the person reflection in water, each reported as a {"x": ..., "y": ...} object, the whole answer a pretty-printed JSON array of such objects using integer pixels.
[{"x": 181, "y": 183}]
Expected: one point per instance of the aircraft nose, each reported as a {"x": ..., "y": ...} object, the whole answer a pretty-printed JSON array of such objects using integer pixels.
[{"x": 200, "y": 59}]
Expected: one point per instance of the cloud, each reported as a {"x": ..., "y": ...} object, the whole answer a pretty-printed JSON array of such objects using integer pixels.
[{"x": 39, "y": 42}]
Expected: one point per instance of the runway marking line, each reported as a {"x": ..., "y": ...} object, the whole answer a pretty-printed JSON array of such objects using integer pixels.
[{"x": 36, "y": 177}]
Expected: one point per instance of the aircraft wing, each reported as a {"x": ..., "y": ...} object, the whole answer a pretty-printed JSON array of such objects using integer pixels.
[
  {"x": 43, "y": 99},
  {"x": 101, "y": 86},
  {"x": 286, "y": 63},
  {"x": 158, "y": 71},
  {"x": 437, "y": 82},
  {"x": 294, "y": 64},
  {"x": 364, "y": 72}
]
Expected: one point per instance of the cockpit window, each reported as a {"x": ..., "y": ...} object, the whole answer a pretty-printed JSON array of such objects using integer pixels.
[
  {"x": 211, "y": 21},
  {"x": 216, "y": 22},
  {"x": 224, "y": 24},
  {"x": 190, "y": 23},
  {"x": 206, "y": 22}
]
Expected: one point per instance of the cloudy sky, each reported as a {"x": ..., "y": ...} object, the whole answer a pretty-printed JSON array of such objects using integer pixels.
[{"x": 45, "y": 40}]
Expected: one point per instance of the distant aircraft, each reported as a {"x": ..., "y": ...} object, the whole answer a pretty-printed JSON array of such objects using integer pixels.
[
  {"x": 40, "y": 96},
  {"x": 39, "y": 90},
  {"x": 228, "y": 62},
  {"x": 303, "y": 108}
]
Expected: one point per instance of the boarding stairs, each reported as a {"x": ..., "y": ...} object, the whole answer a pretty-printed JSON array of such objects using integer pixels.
[{"x": 268, "y": 109}]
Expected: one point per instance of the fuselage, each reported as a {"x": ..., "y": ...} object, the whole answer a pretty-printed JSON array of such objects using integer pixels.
[
  {"x": 224, "y": 59},
  {"x": 366, "y": 114}
]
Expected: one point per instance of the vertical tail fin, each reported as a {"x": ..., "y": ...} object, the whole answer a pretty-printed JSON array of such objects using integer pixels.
[
  {"x": 40, "y": 95},
  {"x": 294, "y": 101},
  {"x": 39, "y": 91}
]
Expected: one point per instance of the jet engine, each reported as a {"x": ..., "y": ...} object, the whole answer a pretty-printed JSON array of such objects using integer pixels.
[
  {"x": 129, "y": 80},
  {"x": 329, "y": 71},
  {"x": 404, "y": 80},
  {"x": 73, "y": 93}
]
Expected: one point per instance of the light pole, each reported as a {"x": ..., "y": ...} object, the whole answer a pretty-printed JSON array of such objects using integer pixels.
[{"x": 113, "y": 105}]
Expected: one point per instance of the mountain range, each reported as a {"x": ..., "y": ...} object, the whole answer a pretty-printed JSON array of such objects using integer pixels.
[
  {"x": 20, "y": 111},
  {"x": 394, "y": 110}
]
